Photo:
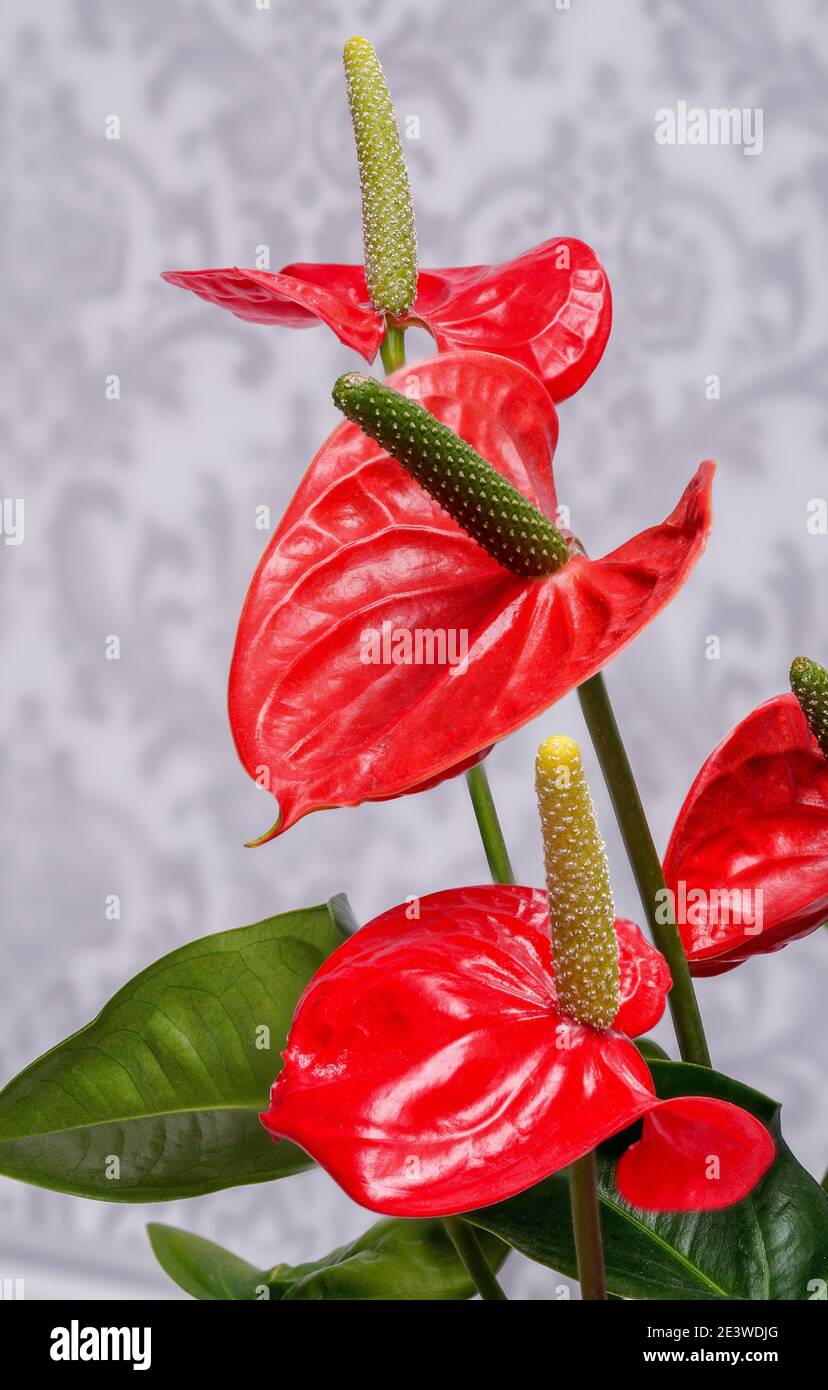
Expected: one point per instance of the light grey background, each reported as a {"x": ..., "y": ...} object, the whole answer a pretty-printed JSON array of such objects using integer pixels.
[{"x": 120, "y": 777}]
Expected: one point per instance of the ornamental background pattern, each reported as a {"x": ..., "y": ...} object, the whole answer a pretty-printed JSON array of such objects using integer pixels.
[{"x": 120, "y": 777}]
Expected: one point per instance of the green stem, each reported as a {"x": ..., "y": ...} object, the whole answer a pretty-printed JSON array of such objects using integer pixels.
[
  {"x": 471, "y": 1253},
  {"x": 501, "y": 870},
  {"x": 392, "y": 348},
  {"x": 646, "y": 866},
  {"x": 586, "y": 1227},
  {"x": 489, "y": 825}
]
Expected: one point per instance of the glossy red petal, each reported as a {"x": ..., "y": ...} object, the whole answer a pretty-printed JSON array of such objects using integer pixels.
[
  {"x": 429, "y": 1070},
  {"x": 549, "y": 309},
  {"x": 695, "y": 1154},
  {"x": 362, "y": 546},
  {"x": 644, "y": 981},
  {"x": 291, "y": 299},
  {"x": 644, "y": 977},
  {"x": 748, "y": 858},
  {"x": 435, "y": 781}
]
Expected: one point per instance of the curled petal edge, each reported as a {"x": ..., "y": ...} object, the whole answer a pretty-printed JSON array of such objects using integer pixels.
[{"x": 696, "y": 1153}]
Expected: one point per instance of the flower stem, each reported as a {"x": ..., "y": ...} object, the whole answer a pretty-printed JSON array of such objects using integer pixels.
[
  {"x": 392, "y": 348},
  {"x": 586, "y": 1227},
  {"x": 646, "y": 866},
  {"x": 471, "y": 1253},
  {"x": 489, "y": 826}
]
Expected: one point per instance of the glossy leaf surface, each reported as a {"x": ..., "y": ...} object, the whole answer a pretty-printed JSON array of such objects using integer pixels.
[
  {"x": 394, "y": 1260},
  {"x": 158, "y": 1097}
]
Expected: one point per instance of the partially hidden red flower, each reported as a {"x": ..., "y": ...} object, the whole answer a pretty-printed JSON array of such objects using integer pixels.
[
  {"x": 364, "y": 549},
  {"x": 430, "y": 1070},
  {"x": 747, "y": 862},
  {"x": 549, "y": 309}
]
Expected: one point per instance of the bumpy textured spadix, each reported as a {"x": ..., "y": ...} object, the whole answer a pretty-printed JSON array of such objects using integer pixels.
[
  {"x": 809, "y": 683},
  {"x": 389, "y": 237},
  {"x": 581, "y": 911},
  {"x": 488, "y": 507}
]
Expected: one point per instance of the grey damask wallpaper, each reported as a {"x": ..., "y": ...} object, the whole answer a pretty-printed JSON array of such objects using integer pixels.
[{"x": 119, "y": 777}]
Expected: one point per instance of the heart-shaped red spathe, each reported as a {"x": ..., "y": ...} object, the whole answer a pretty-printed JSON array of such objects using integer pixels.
[
  {"x": 549, "y": 309},
  {"x": 747, "y": 862},
  {"x": 430, "y": 1070},
  {"x": 362, "y": 549}
]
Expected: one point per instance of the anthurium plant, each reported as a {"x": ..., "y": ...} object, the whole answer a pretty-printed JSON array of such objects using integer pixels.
[{"x": 470, "y": 1066}]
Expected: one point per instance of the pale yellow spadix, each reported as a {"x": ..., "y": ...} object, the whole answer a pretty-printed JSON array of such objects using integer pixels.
[
  {"x": 389, "y": 236},
  {"x": 581, "y": 909}
]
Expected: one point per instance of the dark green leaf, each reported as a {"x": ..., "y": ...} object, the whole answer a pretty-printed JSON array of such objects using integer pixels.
[
  {"x": 396, "y": 1261},
  {"x": 208, "y": 1271},
  {"x": 159, "y": 1096},
  {"x": 773, "y": 1245}
]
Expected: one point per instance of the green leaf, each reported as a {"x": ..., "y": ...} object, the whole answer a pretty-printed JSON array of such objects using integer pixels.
[
  {"x": 773, "y": 1245},
  {"x": 159, "y": 1097},
  {"x": 343, "y": 915},
  {"x": 394, "y": 1260},
  {"x": 206, "y": 1270},
  {"x": 651, "y": 1051}
]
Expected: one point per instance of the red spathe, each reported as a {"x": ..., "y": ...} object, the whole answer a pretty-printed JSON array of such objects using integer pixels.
[
  {"x": 549, "y": 309},
  {"x": 748, "y": 858},
  {"x": 363, "y": 548},
  {"x": 430, "y": 1070}
]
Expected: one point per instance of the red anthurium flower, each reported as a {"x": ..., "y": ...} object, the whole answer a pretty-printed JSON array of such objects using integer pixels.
[
  {"x": 329, "y": 704},
  {"x": 549, "y": 309},
  {"x": 430, "y": 1070},
  {"x": 748, "y": 858}
]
